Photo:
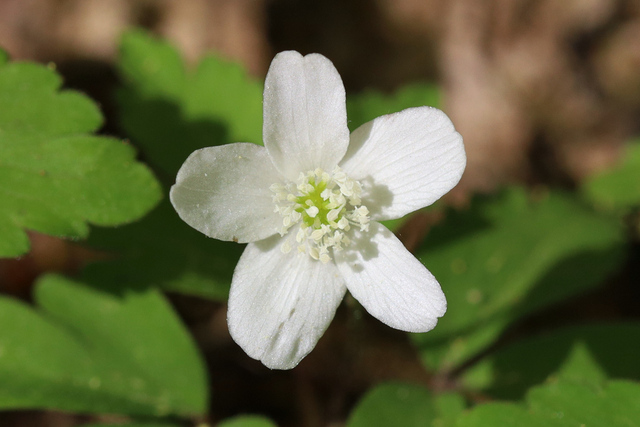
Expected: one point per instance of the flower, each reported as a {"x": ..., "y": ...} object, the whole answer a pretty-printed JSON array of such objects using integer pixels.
[{"x": 309, "y": 204}]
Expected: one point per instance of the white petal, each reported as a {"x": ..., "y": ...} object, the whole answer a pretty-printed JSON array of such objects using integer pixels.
[
  {"x": 405, "y": 161},
  {"x": 305, "y": 116},
  {"x": 389, "y": 282},
  {"x": 224, "y": 193},
  {"x": 281, "y": 304}
]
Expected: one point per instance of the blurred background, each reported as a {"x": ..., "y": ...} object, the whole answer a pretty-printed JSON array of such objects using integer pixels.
[{"x": 544, "y": 92}]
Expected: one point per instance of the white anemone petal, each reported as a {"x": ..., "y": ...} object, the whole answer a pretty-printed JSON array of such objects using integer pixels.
[
  {"x": 405, "y": 161},
  {"x": 390, "y": 283},
  {"x": 281, "y": 304},
  {"x": 224, "y": 193},
  {"x": 305, "y": 116}
]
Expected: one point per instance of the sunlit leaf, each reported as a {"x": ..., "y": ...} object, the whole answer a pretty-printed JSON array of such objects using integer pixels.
[
  {"x": 170, "y": 110},
  {"x": 618, "y": 188},
  {"x": 55, "y": 177},
  {"x": 406, "y": 405},
  {"x": 87, "y": 350},
  {"x": 507, "y": 256}
]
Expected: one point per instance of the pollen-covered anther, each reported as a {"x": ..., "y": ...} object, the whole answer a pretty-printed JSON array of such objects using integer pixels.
[{"x": 325, "y": 205}]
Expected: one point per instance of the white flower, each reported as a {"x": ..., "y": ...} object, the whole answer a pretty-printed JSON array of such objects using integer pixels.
[{"x": 308, "y": 203}]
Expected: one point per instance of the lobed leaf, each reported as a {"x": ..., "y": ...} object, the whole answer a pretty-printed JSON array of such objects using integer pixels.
[
  {"x": 88, "y": 350},
  {"x": 506, "y": 257},
  {"x": 171, "y": 111},
  {"x": 55, "y": 177}
]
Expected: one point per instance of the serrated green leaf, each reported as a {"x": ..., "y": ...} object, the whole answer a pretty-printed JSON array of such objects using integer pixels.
[
  {"x": 506, "y": 257},
  {"x": 564, "y": 404},
  {"x": 162, "y": 251},
  {"x": 588, "y": 353},
  {"x": 618, "y": 188},
  {"x": 86, "y": 350},
  {"x": 247, "y": 421},
  {"x": 368, "y": 105},
  {"x": 55, "y": 178},
  {"x": 405, "y": 405},
  {"x": 170, "y": 111}
]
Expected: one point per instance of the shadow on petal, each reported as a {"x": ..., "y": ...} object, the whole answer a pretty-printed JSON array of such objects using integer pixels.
[
  {"x": 363, "y": 248},
  {"x": 375, "y": 197},
  {"x": 269, "y": 243}
]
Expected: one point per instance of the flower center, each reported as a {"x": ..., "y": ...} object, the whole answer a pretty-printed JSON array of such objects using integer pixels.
[{"x": 326, "y": 205}]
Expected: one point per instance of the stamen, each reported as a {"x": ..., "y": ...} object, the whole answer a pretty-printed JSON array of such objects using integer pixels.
[
  {"x": 325, "y": 205},
  {"x": 286, "y": 247},
  {"x": 312, "y": 211}
]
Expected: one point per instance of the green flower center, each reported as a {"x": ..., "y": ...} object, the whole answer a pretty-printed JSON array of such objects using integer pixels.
[{"x": 325, "y": 205}]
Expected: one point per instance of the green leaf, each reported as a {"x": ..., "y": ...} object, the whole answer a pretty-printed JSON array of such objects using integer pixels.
[
  {"x": 55, "y": 178},
  {"x": 163, "y": 251},
  {"x": 368, "y": 105},
  {"x": 503, "y": 415},
  {"x": 86, "y": 350},
  {"x": 394, "y": 404},
  {"x": 588, "y": 353},
  {"x": 618, "y": 188},
  {"x": 448, "y": 406},
  {"x": 170, "y": 111},
  {"x": 506, "y": 257},
  {"x": 616, "y": 404},
  {"x": 4, "y": 57},
  {"x": 405, "y": 405},
  {"x": 247, "y": 421},
  {"x": 564, "y": 404}
]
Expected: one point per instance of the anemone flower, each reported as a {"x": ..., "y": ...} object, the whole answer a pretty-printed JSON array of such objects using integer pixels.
[{"x": 309, "y": 203}]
